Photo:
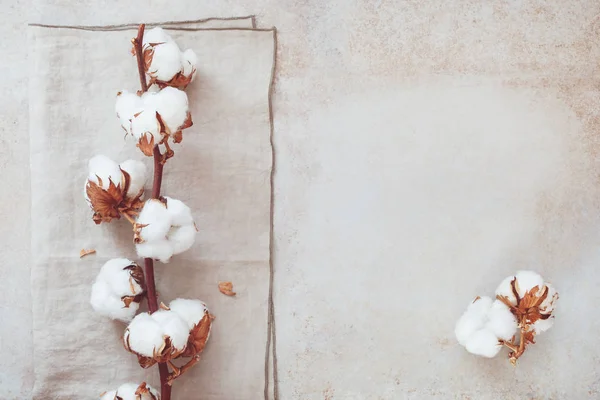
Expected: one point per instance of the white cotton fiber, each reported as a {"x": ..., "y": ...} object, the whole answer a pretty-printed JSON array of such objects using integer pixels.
[
  {"x": 157, "y": 220},
  {"x": 126, "y": 106},
  {"x": 158, "y": 249},
  {"x": 137, "y": 171},
  {"x": 505, "y": 289},
  {"x": 173, "y": 326},
  {"x": 118, "y": 278},
  {"x": 189, "y": 60},
  {"x": 166, "y": 61},
  {"x": 104, "y": 168},
  {"x": 171, "y": 104},
  {"x": 109, "y": 395},
  {"x": 156, "y": 35},
  {"x": 542, "y": 325},
  {"x": 180, "y": 213},
  {"x": 144, "y": 335},
  {"x": 527, "y": 280},
  {"x": 182, "y": 238},
  {"x": 145, "y": 123},
  {"x": 112, "y": 284},
  {"x": 501, "y": 321},
  {"x": 105, "y": 303},
  {"x": 483, "y": 343},
  {"x": 473, "y": 319},
  {"x": 191, "y": 311}
]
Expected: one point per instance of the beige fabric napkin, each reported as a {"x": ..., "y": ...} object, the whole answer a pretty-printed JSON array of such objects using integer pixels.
[{"x": 222, "y": 170}]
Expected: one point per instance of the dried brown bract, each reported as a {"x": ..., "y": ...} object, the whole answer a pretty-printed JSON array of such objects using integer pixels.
[{"x": 226, "y": 288}]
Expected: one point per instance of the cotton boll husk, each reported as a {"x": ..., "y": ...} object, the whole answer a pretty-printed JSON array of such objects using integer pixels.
[
  {"x": 542, "y": 325},
  {"x": 109, "y": 395},
  {"x": 505, "y": 289},
  {"x": 173, "y": 326},
  {"x": 126, "y": 106},
  {"x": 104, "y": 168},
  {"x": 119, "y": 279},
  {"x": 144, "y": 335},
  {"x": 154, "y": 214},
  {"x": 145, "y": 123},
  {"x": 138, "y": 172},
  {"x": 182, "y": 238},
  {"x": 501, "y": 321},
  {"x": 166, "y": 61},
  {"x": 483, "y": 343},
  {"x": 180, "y": 213},
  {"x": 527, "y": 280},
  {"x": 189, "y": 59},
  {"x": 191, "y": 311},
  {"x": 171, "y": 104},
  {"x": 159, "y": 249}
]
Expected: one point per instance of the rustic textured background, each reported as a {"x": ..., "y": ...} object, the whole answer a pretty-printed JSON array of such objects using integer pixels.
[{"x": 424, "y": 151}]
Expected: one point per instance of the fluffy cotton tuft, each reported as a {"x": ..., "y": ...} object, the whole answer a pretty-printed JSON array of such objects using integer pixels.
[
  {"x": 164, "y": 229},
  {"x": 483, "y": 343},
  {"x": 505, "y": 289},
  {"x": 104, "y": 168},
  {"x": 128, "y": 104},
  {"x": 137, "y": 172},
  {"x": 501, "y": 321},
  {"x": 542, "y": 325},
  {"x": 173, "y": 326},
  {"x": 473, "y": 319},
  {"x": 167, "y": 58},
  {"x": 527, "y": 280},
  {"x": 147, "y": 333},
  {"x": 191, "y": 311},
  {"x": 116, "y": 288},
  {"x": 171, "y": 104}
]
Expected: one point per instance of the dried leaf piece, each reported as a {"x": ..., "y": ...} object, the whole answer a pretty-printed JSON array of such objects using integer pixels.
[
  {"x": 226, "y": 288},
  {"x": 85, "y": 252},
  {"x": 179, "y": 81},
  {"x": 145, "y": 145},
  {"x": 105, "y": 203}
]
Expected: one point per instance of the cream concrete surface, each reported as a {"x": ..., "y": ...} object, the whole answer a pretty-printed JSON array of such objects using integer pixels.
[{"x": 425, "y": 150}]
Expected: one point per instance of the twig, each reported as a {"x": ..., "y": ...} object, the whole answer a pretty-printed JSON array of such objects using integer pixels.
[
  {"x": 139, "y": 54},
  {"x": 163, "y": 369}
]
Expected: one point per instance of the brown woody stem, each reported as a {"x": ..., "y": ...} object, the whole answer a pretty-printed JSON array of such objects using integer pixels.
[
  {"x": 163, "y": 369},
  {"x": 139, "y": 54}
]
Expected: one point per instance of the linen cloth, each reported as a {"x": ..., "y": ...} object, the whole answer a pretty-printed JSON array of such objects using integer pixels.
[{"x": 221, "y": 170}]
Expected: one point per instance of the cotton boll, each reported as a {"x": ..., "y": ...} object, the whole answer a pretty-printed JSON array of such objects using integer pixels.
[
  {"x": 191, "y": 311},
  {"x": 483, "y": 343},
  {"x": 173, "y": 326},
  {"x": 505, "y": 289},
  {"x": 189, "y": 60},
  {"x": 159, "y": 249},
  {"x": 127, "y": 391},
  {"x": 145, "y": 123},
  {"x": 180, "y": 213},
  {"x": 182, "y": 238},
  {"x": 166, "y": 61},
  {"x": 126, "y": 106},
  {"x": 137, "y": 172},
  {"x": 473, "y": 319},
  {"x": 154, "y": 214},
  {"x": 144, "y": 335},
  {"x": 542, "y": 325},
  {"x": 527, "y": 280},
  {"x": 104, "y": 168},
  {"x": 501, "y": 321},
  {"x": 171, "y": 104},
  {"x": 109, "y": 395}
]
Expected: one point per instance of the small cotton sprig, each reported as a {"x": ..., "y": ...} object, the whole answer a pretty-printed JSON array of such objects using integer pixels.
[
  {"x": 132, "y": 391},
  {"x": 524, "y": 303},
  {"x": 114, "y": 190},
  {"x": 165, "y": 227},
  {"x": 180, "y": 330},
  {"x": 118, "y": 289},
  {"x": 164, "y": 63}
]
